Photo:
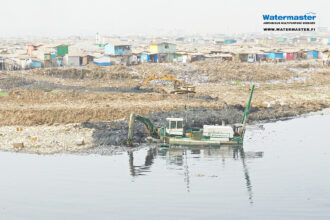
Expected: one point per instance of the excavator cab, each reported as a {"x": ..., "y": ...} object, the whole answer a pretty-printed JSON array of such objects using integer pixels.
[
  {"x": 177, "y": 84},
  {"x": 174, "y": 126},
  {"x": 180, "y": 86}
]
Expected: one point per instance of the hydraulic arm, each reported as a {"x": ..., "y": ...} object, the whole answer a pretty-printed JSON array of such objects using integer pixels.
[{"x": 151, "y": 129}]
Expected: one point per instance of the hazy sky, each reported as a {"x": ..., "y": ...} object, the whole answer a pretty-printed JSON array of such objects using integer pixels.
[{"x": 68, "y": 17}]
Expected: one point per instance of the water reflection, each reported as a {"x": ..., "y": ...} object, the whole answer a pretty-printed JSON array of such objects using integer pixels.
[
  {"x": 246, "y": 174},
  {"x": 180, "y": 156},
  {"x": 149, "y": 160}
]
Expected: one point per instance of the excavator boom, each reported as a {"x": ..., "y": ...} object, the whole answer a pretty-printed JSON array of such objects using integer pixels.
[
  {"x": 151, "y": 129},
  {"x": 161, "y": 77},
  {"x": 180, "y": 86}
]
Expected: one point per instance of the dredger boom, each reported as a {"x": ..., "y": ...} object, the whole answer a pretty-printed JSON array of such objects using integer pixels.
[{"x": 246, "y": 112}]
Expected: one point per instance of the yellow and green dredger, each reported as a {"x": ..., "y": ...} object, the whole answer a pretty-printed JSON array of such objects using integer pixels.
[{"x": 175, "y": 133}]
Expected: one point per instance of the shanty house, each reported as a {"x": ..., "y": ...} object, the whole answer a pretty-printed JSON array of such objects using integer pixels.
[
  {"x": 247, "y": 57},
  {"x": 62, "y": 50},
  {"x": 163, "y": 48},
  {"x": 260, "y": 56},
  {"x": 312, "y": 54},
  {"x": 42, "y": 53},
  {"x": 119, "y": 49},
  {"x": 9, "y": 64},
  {"x": 290, "y": 55},
  {"x": 275, "y": 55},
  {"x": 71, "y": 60},
  {"x": 86, "y": 59},
  {"x": 181, "y": 57},
  {"x": 50, "y": 60},
  {"x": 243, "y": 57},
  {"x": 229, "y": 41},
  {"x": 193, "y": 57},
  {"x": 163, "y": 52},
  {"x": 148, "y": 57},
  {"x": 31, "y": 48}
]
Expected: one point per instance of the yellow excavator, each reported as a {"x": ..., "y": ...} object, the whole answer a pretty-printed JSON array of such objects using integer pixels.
[{"x": 180, "y": 86}]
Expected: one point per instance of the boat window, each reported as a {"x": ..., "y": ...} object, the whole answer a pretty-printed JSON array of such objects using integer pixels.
[
  {"x": 179, "y": 124},
  {"x": 173, "y": 124}
]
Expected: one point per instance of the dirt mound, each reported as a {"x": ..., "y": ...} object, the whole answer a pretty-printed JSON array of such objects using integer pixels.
[
  {"x": 88, "y": 72},
  {"x": 195, "y": 73},
  {"x": 7, "y": 84},
  {"x": 220, "y": 71}
]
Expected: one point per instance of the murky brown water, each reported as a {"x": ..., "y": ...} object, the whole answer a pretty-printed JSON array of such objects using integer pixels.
[{"x": 283, "y": 172}]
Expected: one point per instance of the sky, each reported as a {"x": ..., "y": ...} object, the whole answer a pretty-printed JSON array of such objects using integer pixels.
[{"x": 147, "y": 17}]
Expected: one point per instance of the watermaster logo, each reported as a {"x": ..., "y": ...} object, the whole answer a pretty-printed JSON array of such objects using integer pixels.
[{"x": 277, "y": 22}]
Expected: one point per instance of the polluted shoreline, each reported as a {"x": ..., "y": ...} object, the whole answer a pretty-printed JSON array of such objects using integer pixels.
[
  {"x": 114, "y": 134},
  {"x": 110, "y": 136},
  {"x": 86, "y": 109}
]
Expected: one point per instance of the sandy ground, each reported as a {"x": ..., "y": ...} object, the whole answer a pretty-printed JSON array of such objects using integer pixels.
[
  {"x": 45, "y": 139},
  {"x": 51, "y": 104}
]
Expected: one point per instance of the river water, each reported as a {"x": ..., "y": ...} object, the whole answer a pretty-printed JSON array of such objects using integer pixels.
[{"x": 283, "y": 172}]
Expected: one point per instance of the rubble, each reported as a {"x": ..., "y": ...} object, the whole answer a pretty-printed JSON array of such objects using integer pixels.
[{"x": 46, "y": 139}]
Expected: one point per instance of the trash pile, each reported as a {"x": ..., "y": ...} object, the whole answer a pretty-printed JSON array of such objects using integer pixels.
[
  {"x": 197, "y": 73},
  {"x": 221, "y": 71},
  {"x": 88, "y": 72},
  {"x": 10, "y": 83}
]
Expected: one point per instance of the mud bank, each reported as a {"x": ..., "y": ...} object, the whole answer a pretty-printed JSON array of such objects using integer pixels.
[
  {"x": 110, "y": 137},
  {"x": 115, "y": 133}
]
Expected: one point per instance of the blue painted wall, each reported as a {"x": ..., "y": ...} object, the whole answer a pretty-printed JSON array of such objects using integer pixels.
[
  {"x": 279, "y": 55},
  {"x": 144, "y": 58},
  {"x": 116, "y": 50},
  {"x": 314, "y": 54},
  {"x": 35, "y": 64},
  {"x": 102, "y": 64},
  {"x": 109, "y": 49},
  {"x": 273, "y": 56}
]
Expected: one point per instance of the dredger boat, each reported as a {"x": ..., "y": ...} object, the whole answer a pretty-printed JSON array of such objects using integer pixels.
[{"x": 175, "y": 132}]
